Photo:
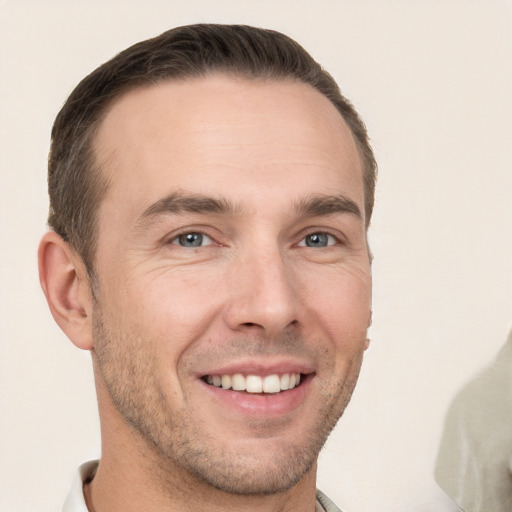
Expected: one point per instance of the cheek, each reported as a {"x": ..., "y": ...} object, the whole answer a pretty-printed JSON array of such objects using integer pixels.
[
  {"x": 343, "y": 303},
  {"x": 171, "y": 310}
]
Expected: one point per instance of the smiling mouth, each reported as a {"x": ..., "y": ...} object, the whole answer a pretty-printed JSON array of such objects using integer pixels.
[{"x": 271, "y": 384}]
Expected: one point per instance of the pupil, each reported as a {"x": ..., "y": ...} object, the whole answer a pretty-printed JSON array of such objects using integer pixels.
[
  {"x": 316, "y": 240},
  {"x": 191, "y": 239}
]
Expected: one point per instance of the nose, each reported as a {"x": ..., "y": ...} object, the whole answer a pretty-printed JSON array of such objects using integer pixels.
[{"x": 262, "y": 294}]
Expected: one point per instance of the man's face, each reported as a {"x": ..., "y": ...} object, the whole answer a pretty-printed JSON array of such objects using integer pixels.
[{"x": 231, "y": 249}]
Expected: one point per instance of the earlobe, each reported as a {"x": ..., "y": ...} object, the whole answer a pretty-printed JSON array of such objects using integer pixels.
[
  {"x": 367, "y": 341},
  {"x": 66, "y": 287}
]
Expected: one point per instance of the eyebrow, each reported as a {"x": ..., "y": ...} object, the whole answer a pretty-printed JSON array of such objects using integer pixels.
[
  {"x": 180, "y": 202},
  {"x": 327, "y": 205}
]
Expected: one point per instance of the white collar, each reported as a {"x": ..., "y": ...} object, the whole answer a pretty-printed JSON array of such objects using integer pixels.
[{"x": 75, "y": 501}]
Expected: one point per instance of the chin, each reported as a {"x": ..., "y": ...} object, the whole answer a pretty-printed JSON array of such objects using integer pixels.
[{"x": 252, "y": 475}]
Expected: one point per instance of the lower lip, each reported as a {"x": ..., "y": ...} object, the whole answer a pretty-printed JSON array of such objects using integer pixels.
[{"x": 262, "y": 405}]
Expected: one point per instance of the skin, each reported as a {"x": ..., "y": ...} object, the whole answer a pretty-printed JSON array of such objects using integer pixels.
[{"x": 254, "y": 296}]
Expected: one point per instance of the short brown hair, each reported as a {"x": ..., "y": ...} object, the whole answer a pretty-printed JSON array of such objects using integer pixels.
[{"x": 76, "y": 185}]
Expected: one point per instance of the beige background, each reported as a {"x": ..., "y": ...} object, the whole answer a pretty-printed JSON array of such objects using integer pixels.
[{"x": 433, "y": 81}]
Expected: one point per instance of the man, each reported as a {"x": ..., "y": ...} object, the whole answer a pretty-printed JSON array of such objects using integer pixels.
[{"x": 210, "y": 194}]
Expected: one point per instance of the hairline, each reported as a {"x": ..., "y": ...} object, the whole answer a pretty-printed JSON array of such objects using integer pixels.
[{"x": 96, "y": 164}]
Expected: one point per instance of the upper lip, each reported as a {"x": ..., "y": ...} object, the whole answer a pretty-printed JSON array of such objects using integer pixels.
[{"x": 260, "y": 367}]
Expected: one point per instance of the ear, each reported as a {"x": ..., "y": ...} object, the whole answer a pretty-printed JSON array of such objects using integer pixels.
[
  {"x": 367, "y": 341},
  {"x": 67, "y": 289}
]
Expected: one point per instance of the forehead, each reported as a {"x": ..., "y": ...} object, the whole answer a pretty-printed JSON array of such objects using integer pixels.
[{"x": 224, "y": 132}]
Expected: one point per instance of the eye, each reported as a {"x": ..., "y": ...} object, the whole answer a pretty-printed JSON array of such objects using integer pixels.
[
  {"x": 317, "y": 240},
  {"x": 192, "y": 240}
]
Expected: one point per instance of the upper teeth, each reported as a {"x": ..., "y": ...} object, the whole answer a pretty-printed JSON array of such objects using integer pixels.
[{"x": 255, "y": 383}]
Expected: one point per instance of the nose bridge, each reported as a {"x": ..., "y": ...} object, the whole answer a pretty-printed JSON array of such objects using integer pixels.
[{"x": 263, "y": 291}]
